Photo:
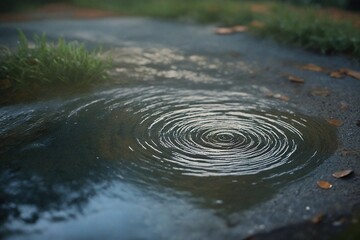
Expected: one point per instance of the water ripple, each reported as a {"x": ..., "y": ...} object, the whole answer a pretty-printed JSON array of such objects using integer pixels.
[
  {"x": 207, "y": 134},
  {"x": 214, "y": 146}
]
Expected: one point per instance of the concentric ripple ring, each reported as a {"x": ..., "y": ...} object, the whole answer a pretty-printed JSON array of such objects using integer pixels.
[{"x": 207, "y": 134}]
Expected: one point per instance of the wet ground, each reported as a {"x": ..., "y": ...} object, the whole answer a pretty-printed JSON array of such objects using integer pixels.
[{"x": 198, "y": 136}]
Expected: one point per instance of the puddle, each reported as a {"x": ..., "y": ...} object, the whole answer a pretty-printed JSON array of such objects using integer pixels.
[
  {"x": 146, "y": 156},
  {"x": 171, "y": 151}
]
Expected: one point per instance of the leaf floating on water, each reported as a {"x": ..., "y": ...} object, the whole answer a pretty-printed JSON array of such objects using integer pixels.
[
  {"x": 324, "y": 184},
  {"x": 343, "y": 173},
  {"x": 317, "y": 218},
  {"x": 313, "y": 67},
  {"x": 295, "y": 79},
  {"x": 335, "y": 122}
]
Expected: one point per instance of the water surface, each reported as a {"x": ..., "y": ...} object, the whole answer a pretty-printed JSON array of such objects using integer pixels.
[{"x": 161, "y": 159}]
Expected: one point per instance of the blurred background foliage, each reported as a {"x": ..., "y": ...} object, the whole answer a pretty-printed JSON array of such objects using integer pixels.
[
  {"x": 16, "y": 5},
  {"x": 318, "y": 25},
  {"x": 348, "y": 4}
]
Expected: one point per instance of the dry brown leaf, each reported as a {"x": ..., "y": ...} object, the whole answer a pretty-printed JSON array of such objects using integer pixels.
[
  {"x": 231, "y": 30},
  {"x": 343, "y": 173},
  {"x": 335, "y": 122},
  {"x": 317, "y": 218},
  {"x": 324, "y": 184},
  {"x": 277, "y": 96},
  {"x": 322, "y": 92},
  {"x": 337, "y": 74},
  {"x": 346, "y": 152},
  {"x": 295, "y": 79},
  {"x": 224, "y": 31},
  {"x": 313, "y": 67},
  {"x": 239, "y": 28},
  {"x": 281, "y": 97},
  {"x": 351, "y": 73}
]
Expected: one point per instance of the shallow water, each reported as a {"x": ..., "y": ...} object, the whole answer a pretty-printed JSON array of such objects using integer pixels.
[
  {"x": 161, "y": 159},
  {"x": 174, "y": 148}
]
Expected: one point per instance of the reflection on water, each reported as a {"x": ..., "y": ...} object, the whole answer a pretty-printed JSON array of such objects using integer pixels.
[
  {"x": 194, "y": 151},
  {"x": 157, "y": 63}
]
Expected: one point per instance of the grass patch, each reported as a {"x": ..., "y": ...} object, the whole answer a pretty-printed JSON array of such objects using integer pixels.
[
  {"x": 308, "y": 27},
  {"x": 43, "y": 64},
  {"x": 208, "y": 11}
]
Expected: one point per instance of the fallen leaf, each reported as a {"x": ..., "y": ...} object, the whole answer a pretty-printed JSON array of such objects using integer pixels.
[
  {"x": 344, "y": 106},
  {"x": 337, "y": 74},
  {"x": 224, "y": 31},
  {"x": 317, "y": 218},
  {"x": 322, "y": 92},
  {"x": 324, "y": 184},
  {"x": 277, "y": 96},
  {"x": 239, "y": 28},
  {"x": 351, "y": 73},
  {"x": 295, "y": 79},
  {"x": 231, "y": 30},
  {"x": 281, "y": 97},
  {"x": 313, "y": 67},
  {"x": 346, "y": 152},
  {"x": 343, "y": 173},
  {"x": 335, "y": 122}
]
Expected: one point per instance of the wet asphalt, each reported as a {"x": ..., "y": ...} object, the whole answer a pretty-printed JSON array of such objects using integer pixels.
[{"x": 290, "y": 212}]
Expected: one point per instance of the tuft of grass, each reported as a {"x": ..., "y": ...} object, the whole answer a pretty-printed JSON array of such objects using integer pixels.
[
  {"x": 43, "y": 64},
  {"x": 308, "y": 29}
]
